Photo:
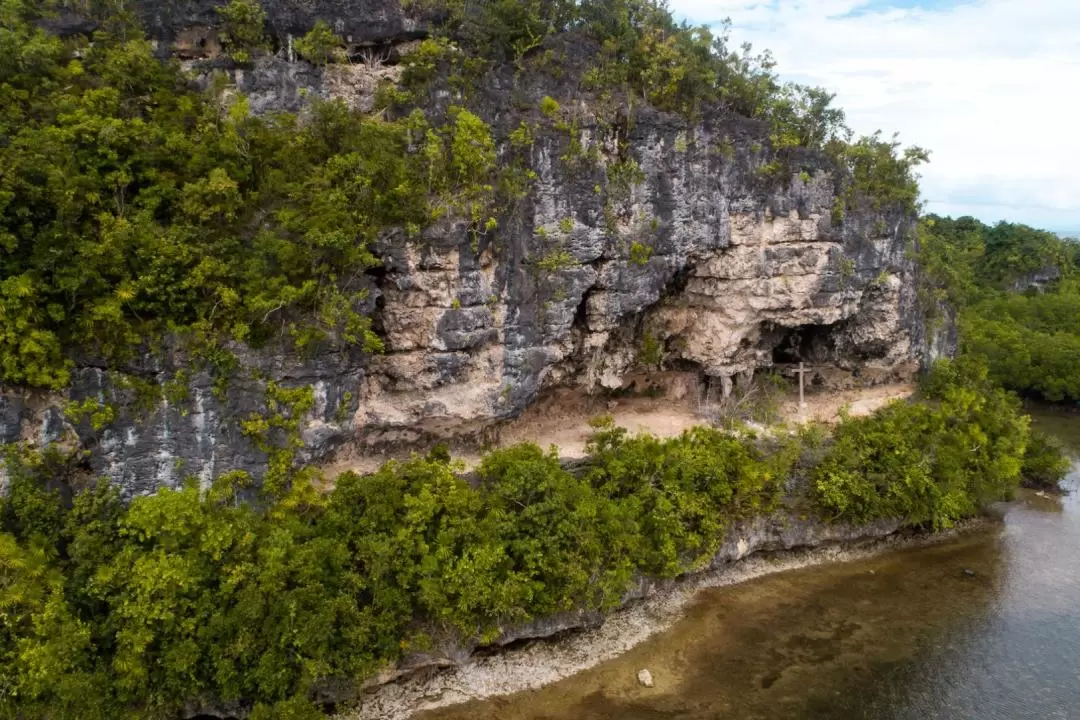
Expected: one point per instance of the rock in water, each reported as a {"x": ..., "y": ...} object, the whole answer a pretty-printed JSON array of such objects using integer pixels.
[{"x": 645, "y": 678}]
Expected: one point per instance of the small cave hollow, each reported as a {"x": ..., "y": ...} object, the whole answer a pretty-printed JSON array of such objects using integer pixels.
[
  {"x": 804, "y": 343},
  {"x": 377, "y": 276},
  {"x": 581, "y": 313}
]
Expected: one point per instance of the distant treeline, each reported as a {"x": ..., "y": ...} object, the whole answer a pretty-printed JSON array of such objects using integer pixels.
[{"x": 1017, "y": 292}]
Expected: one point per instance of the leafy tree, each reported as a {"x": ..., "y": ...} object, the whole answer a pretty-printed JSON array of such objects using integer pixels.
[
  {"x": 804, "y": 116},
  {"x": 680, "y": 493},
  {"x": 882, "y": 174},
  {"x": 243, "y": 29},
  {"x": 319, "y": 44},
  {"x": 1045, "y": 461},
  {"x": 929, "y": 464},
  {"x": 566, "y": 543}
]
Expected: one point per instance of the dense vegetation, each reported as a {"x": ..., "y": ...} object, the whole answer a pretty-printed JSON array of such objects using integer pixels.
[
  {"x": 134, "y": 206},
  {"x": 111, "y": 611},
  {"x": 1019, "y": 301},
  {"x": 929, "y": 463}
]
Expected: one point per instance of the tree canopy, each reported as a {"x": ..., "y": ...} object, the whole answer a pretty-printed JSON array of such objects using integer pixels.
[
  {"x": 190, "y": 596},
  {"x": 1018, "y": 299},
  {"x": 132, "y": 205}
]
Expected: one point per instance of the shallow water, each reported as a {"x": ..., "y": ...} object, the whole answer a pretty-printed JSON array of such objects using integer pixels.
[{"x": 986, "y": 627}]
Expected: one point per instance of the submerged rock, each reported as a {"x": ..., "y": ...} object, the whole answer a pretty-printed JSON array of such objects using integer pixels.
[{"x": 645, "y": 678}]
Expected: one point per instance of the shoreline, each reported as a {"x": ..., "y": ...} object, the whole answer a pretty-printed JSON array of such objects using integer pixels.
[{"x": 542, "y": 662}]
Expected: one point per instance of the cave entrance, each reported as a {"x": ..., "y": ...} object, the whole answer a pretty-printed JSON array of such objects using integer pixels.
[{"x": 805, "y": 343}]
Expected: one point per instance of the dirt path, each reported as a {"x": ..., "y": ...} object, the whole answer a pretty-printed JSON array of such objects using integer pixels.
[
  {"x": 564, "y": 420},
  {"x": 825, "y": 406}
]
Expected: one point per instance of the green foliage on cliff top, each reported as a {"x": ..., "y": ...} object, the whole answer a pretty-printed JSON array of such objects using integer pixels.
[
  {"x": 644, "y": 55},
  {"x": 882, "y": 173},
  {"x": 114, "y": 611},
  {"x": 132, "y": 206},
  {"x": 673, "y": 66}
]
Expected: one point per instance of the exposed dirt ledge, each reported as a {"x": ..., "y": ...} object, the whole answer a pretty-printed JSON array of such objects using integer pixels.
[
  {"x": 544, "y": 662},
  {"x": 562, "y": 417}
]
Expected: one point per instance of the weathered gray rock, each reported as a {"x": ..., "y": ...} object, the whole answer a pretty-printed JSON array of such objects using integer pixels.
[
  {"x": 188, "y": 21},
  {"x": 724, "y": 268},
  {"x": 1039, "y": 279}
]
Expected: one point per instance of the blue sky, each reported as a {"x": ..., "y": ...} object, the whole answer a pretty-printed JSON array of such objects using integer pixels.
[{"x": 990, "y": 87}]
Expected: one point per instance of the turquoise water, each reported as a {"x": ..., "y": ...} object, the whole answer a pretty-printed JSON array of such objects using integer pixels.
[{"x": 986, "y": 627}]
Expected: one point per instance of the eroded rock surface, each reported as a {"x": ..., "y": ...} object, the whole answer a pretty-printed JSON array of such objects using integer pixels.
[
  {"x": 703, "y": 259},
  {"x": 190, "y": 27}
]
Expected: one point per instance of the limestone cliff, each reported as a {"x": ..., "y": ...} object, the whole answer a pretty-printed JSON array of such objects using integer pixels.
[{"x": 703, "y": 260}]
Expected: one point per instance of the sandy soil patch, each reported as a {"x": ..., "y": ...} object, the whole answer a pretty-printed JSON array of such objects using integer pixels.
[
  {"x": 563, "y": 420},
  {"x": 825, "y": 406}
]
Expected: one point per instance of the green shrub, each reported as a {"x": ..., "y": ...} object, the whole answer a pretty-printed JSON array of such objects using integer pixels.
[
  {"x": 556, "y": 260},
  {"x": 549, "y": 106},
  {"x": 640, "y": 253},
  {"x": 31, "y": 508},
  {"x": 681, "y": 493},
  {"x": 567, "y": 544},
  {"x": 882, "y": 175},
  {"x": 651, "y": 352},
  {"x": 1045, "y": 462},
  {"x": 928, "y": 464},
  {"x": 319, "y": 44},
  {"x": 243, "y": 23}
]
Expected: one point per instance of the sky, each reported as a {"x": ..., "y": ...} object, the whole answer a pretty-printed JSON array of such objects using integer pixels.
[{"x": 990, "y": 87}]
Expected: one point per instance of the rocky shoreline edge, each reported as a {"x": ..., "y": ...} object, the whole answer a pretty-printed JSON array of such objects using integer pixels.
[{"x": 577, "y": 643}]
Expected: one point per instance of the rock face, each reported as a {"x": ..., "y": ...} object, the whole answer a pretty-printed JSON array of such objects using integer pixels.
[
  {"x": 672, "y": 243},
  {"x": 190, "y": 26}
]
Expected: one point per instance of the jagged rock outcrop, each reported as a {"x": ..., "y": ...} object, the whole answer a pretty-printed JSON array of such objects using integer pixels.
[
  {"x": 190, "y": 27},
  {"x": 1037, "y": 280},
  {"x": 706, "y": 258}
]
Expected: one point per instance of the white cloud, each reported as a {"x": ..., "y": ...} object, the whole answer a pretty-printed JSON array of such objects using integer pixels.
[{"x": 992, "y": 88}]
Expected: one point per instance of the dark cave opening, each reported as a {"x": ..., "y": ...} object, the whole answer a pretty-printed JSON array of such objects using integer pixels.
[
  {"x": 581, "y": 313},
  {"x": 804, "y": 343},
  {"x": 377, "y": 276}
]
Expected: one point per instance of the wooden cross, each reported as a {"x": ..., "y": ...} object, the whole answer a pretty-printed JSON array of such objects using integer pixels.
[{"x": 802, "y": 377}]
